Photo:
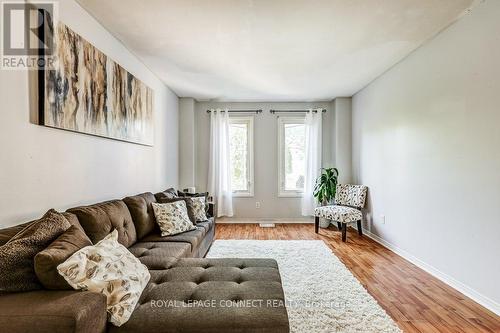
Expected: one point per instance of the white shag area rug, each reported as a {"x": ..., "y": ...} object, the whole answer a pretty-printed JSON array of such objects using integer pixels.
[{"x": 321, "y": 293}]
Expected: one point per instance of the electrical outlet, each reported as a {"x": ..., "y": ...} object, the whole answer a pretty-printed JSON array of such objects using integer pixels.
[
  {"x": 257, "y": 205},
  {"x": 382, "y": 219}
]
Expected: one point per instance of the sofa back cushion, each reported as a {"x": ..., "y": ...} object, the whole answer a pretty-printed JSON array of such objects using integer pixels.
[
  {"x": 100, "y": 219},
  {"x": 73, "y": 220},
  {"x": 56, "y": 253},
  {"x": 142, "y": 213}
]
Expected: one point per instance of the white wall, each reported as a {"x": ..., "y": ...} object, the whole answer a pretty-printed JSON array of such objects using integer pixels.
[
  {"x": 341, "y": 143},
  {"x": 187, "y": 143},
  {"x": 426, "y": 141},
  {"x": 266, "y": 158},
  {"x": 42, "y": 167}
]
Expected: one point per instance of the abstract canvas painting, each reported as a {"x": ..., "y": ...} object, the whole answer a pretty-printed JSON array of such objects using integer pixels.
[{"x": 86, "y": 91}]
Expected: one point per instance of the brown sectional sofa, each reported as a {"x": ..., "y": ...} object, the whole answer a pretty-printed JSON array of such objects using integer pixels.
[{"x": 186, "y": 292}]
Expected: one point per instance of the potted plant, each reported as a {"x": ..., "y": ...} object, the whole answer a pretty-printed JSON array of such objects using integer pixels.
[{"x": 325, "y": 188}]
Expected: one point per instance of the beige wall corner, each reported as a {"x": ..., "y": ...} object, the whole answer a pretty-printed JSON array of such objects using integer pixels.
[{"x": 342, "y": 138}]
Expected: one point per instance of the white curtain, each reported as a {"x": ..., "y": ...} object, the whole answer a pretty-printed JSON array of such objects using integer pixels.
[
  {"x": 219, "y": 168},
  {"x": 313, "y": 124}
]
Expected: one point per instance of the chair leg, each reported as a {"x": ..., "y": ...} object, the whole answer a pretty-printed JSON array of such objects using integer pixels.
[
  {"x": 344, "y": 232},
  {"x": 360, "y": 230},
  {"x": 316, "y": 224},
  {"x": 339, "y": 225}
]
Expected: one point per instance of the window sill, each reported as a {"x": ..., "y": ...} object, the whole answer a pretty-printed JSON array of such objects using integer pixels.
[
  {"x": 290, "y": 195},
  {"x": 243, "y": 195}
]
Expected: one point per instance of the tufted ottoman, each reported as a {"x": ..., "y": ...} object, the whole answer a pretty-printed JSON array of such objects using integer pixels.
[{"x": 211, "y": 295}]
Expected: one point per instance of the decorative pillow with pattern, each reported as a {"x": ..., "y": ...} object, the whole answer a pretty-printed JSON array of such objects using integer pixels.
[
  {"x": 17, "y": 272},
  {"x": 109, "y": 268},
  {"x": 191, "y": 195},
  {"x": 172, "y": 217},
  {"x": 198, "y": 209}
]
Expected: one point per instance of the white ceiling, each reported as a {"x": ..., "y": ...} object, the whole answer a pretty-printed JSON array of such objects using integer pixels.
[{"x": 272, "y": 50}]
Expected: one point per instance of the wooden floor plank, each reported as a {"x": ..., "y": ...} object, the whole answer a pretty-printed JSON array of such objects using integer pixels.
[{"x": 417, "y": 301}]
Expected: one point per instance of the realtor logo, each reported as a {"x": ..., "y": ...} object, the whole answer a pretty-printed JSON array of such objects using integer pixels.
[{"x": 27, "y": 34}]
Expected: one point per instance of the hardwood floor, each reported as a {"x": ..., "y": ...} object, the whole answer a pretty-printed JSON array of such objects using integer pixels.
[{"x": 416, "y": 300}]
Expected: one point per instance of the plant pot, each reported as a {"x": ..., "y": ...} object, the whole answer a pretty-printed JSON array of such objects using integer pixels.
[{"x": 323, "y": 223}]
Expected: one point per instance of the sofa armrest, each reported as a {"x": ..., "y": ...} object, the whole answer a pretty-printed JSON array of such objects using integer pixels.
[{"x": 53, "y": 311}]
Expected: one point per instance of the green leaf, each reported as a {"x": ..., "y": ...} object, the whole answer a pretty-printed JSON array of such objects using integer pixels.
[{"x": 325, "y": 187}]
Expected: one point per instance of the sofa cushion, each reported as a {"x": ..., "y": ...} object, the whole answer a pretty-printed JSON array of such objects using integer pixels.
[
  {"x": 142, "y": 213},
  {"x": 73, "y": 220},
  {"x": 53, "y": 312},
  {"x": 56, "y": 253},
  {"x": 17, "y": 255},
  {"x": 205, "y": 244},
  {"x": 195, "y": 295},
  {"x": 160, "y": 255},
  {"x": 207, "y": 225},
  {"x": 100, "y": 219},
  {"x": 193, "y": 238}
]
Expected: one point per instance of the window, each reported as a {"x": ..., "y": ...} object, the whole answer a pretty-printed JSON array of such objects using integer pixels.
[
  {"x": 291, "y": 143},
  {"x": 241, "y": 154}
]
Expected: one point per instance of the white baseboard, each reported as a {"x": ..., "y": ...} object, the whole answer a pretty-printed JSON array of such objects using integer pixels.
[
  {"x": 264, "y": 220},
  {"x": 450, "y": 281}
]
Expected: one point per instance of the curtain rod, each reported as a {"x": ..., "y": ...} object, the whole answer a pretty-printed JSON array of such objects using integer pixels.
[
  {"x": 236, "y": 111},
  {"x": 307, "y": 111}
]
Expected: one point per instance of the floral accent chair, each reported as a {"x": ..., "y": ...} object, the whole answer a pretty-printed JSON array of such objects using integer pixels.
[{"x": 349, "y": 200}]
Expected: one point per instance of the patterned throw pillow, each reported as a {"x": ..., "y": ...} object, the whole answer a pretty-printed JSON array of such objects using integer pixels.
[
  {"x": 172, "y": 217},
  {"x": 191, "y": 195},
  {"x": 198, "y": 209},
  {"x": 109, "y": 268},
  {"x": 17, "y": 272},
  {"x": 195, "y": 207}
]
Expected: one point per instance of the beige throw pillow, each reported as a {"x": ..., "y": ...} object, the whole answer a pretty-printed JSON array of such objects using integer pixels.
[
  {"x": 172, "y": 217},
  {"x": 109, "y": 268},
  {"x": 195, "y": 207}
]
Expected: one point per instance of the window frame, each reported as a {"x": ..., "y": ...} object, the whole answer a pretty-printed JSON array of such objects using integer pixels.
[
  {"x": 282, "y": 121},
  {"x": 249, "y": 121}
]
